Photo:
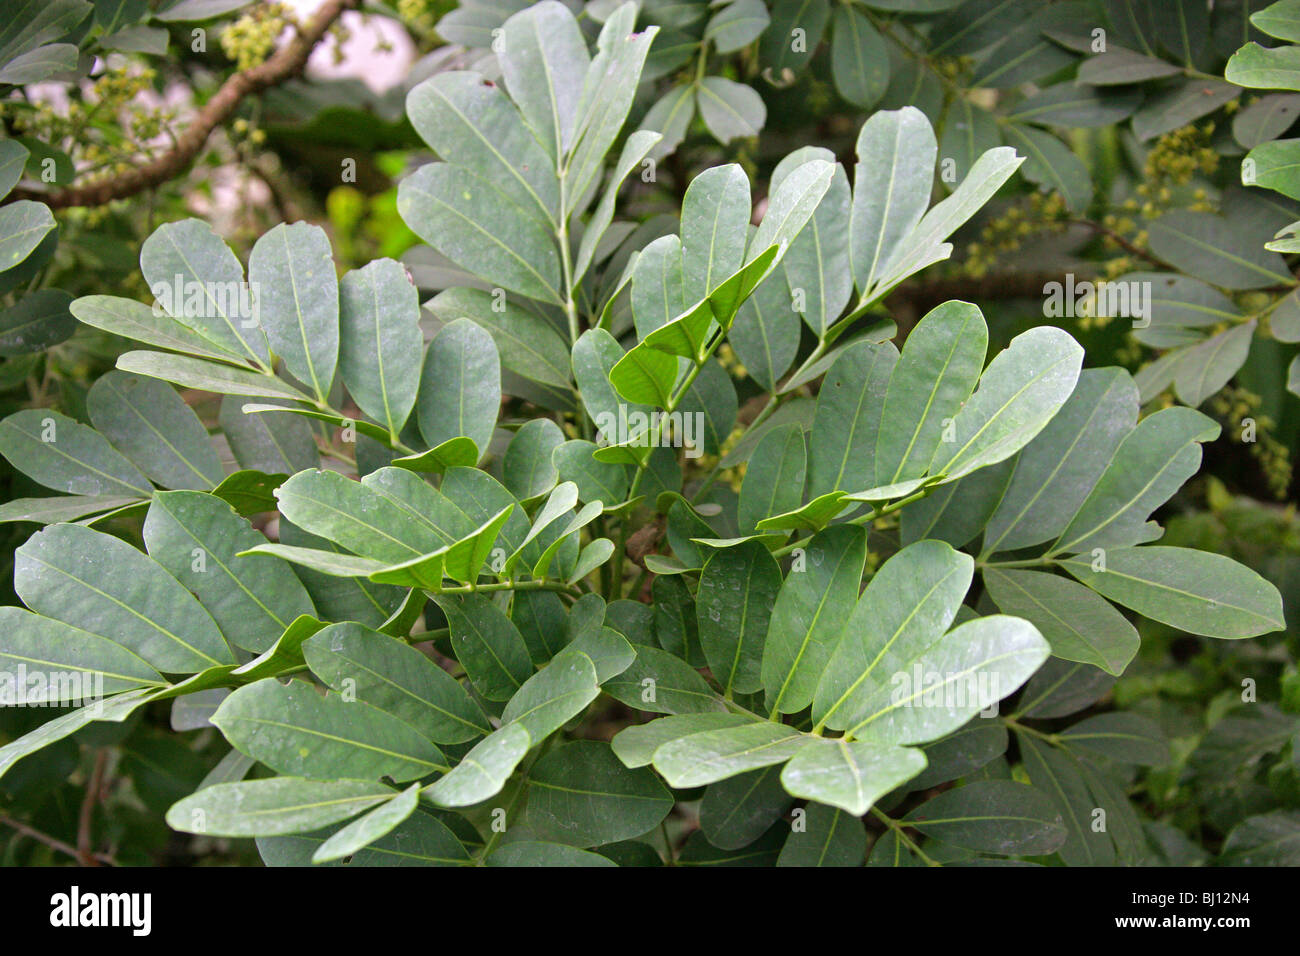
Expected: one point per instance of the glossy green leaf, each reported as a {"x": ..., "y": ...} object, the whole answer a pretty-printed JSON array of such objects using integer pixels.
[
  {"x": 274, "y": 806},
  {"x": 1195, "y": 591},
  {"x": 397, "y": 679},
  {"x": 581, "y": 795},
  {"x": 809, "y": 616},
  {"x": 67, "y": 456},
  {"x": 850, "y": 775},
  {"x": 150, "y": 423},
  {"x": 197, "y": 538},
  {"x": 104, "y": 586},
  {"x": 297, "y": 731}
]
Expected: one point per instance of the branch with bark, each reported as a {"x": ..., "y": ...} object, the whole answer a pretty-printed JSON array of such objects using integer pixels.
[{"x": 287, "y": 63}]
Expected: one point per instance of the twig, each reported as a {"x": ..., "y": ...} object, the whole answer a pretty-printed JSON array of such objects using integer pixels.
[
  {"x": 39, "y": 837},
  {"x": 285, "y": 64},
  {"x": 85, "y": 839}
]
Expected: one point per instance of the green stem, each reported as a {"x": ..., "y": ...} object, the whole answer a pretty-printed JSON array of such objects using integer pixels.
[{"x": 898, "y": 829}]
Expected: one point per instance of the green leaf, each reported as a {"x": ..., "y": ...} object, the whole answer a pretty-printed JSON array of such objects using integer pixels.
[
  {"x": 714, "y": 228},
  {"x": 454, "y": 452},
  {"x": 1018, "y": 394},
  {"x": 1079, "y": 625},
  {"x": 1207, "y": 367},
  {"x": 859, "y": 60},
  {"x": 737, "y": 589},
  {"x": 527, "y": 343},
  {"x": 829, "y": 837},
  {"x": 1281, "y": 20},
  {"x": 1276, "y": 68},
  {"x": 380, "y": 341},
  {"x": 135, "y": 320},
  {"x": 1056, "y": 773},
  {"x": 1057, "y": 470},
  {"x": 197, "y": 539},
  {"x": 208, "y": 376},
  {"x": 460, "y": 385},
  {"x": 274, "y": 444},
  {"x": 1266, "y": 839},
  {"x": 737, "y": 25},
  {"x": 292, "y": 269},
  {"x": 1075, "y": 106},
  {"x": 101, "y": 584},
  {"x": 892, "y": 179},
  {"x": 1052, "y": 165},
  {"x": 925, "y": 243},
  {"x": 483, "y": 771},
  {"x": 850, "y": 775},
  {"x": 730, "y": 110},
  {"x": 581, "y": 795},
  {"x": 274, "y": 806},
  {"x": 13, "y": 159},
  {"x": 714, "y": 755},
  {"x": 363, "y": 517},
  {"x": 533, "y": 854},
  {"x": 23, "y": 224},
  {"x": 115, "y": 709},
  {"x": 645, "y": 375},
  {"x": 596, "y": 481},
  {"x": 48, "y": 662},
  {"x": 661, "y": 683},
  {"x": 58, "y": 508},
  {"x": 846, "y": 427},
  {"x": 1203, "y": 244},
  {"x": 966, "y": 671},
  {"x": 1125, "y": 738},
  {"x": 935, "y": 375},
  {"x": 366, "y": 829},
  {"x": 809, "y": 616},
  {"x": 473, "y": 223},
  {"x": 737, "y": 811},
  {"x": 469, "y": 122},
  {"x": 908, "y": 604},
  {"x": 544, "y": 60},
  {"x": 296, "y": 731},
  {"x": 1181, "y": 104},
  {"x": 765, "y": 335},
  {"x": 488, "y": 645},
  {"x": 814, "y": 516},
  {"x": 994, "y": 816},
  {"x": 634, "y": 151},
  {"x": 67, "y": 456},
  {"x": 341, "y": 598},
  {"x": 774, "y": 479},
  {"x": 554, "y": 695},
  {"x": 36, "y": 322},
  {"x": 607, "y": 92},
  {"x": 198, "y": 281},
  {"x": 148, "y": 421},
  {"x": 397, "y": 679},
  {"x": 778, "y": 50},
  {"x": 1194, "y": 591},
  {"x": 817, "y": 264},
  {"x": 1151, "y": 463},
  {"x": 528, "y": 468},
  {"x": 636, "y": 745}
]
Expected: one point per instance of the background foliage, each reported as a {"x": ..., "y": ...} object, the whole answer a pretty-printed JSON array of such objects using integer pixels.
[{"x": 580, "y": 241}]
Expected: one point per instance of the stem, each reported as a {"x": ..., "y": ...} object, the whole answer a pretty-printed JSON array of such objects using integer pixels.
[{"x": 898, "y": 829}]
